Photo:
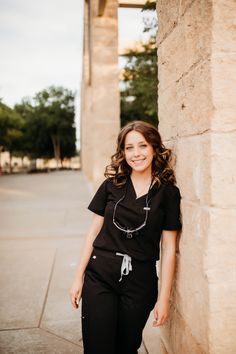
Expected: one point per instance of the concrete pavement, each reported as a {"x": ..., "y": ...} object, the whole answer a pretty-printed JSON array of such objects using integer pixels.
[{"x": 44, "y": 219}]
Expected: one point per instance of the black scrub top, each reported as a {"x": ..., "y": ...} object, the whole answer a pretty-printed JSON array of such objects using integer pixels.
[{"x": 164, "y": 201}]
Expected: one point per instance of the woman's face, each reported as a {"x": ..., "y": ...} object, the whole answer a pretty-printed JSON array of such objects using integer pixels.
[{"x": 138, "y": 152}]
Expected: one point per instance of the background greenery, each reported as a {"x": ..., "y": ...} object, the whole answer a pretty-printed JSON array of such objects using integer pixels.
[
  {"x": 139, "y": 77},
  {"x": 42, "y": 127}
]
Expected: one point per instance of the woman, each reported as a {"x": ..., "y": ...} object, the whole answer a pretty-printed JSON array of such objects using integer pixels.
[{"x": 136, "y": 208}]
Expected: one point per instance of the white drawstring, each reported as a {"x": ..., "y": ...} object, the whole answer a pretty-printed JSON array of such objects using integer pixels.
[{"x": 126, "y": 265}]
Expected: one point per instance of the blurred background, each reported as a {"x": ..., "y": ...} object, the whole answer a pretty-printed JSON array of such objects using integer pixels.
[{"x": 42, "y": 55}]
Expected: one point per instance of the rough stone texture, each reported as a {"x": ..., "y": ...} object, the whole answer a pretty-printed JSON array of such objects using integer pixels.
[
  {"x": 197, "y": 85},
  {"x": 100, "y": 116},
  {"x": 186, "y": 45},
  {"x": 184, "y": 116}
]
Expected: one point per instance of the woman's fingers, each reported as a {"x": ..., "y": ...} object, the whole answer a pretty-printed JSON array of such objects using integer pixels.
[
  {"x": 155, "y": 312},
  {"x": 160, "y": 321},
  {"x": 75, "y": 298}
]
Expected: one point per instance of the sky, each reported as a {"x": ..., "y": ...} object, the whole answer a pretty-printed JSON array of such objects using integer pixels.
[{"x": 41, "y": 44}]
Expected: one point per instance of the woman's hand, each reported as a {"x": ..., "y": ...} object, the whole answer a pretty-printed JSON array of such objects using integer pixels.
[
  {"x": 161, "y": 312},
  {"x": 76, "y": 291}
]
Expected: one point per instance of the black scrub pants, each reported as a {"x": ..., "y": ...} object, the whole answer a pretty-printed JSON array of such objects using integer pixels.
[{"x": 114, "y": 313}]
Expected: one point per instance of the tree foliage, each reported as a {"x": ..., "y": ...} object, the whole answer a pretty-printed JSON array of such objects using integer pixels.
[
  {"x": 139, "y": 78},
  {"x": 11, "y": 124},
  {"x": 49, "y": 127}
]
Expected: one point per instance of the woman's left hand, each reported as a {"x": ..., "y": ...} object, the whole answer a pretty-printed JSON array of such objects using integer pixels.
[{"x": 161, "y": 312}]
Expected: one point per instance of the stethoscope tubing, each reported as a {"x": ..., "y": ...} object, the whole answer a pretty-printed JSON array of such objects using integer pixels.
[{"x": 129, "y": 231}]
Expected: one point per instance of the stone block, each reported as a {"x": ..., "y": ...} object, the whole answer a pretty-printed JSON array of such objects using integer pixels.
[
  {"x": 168, "y": 112},
  {"x": 220, "y": 262},
  {"x": 222, "y": 318},
  {"x": 223, "y": 71},
  {"x": 194, "y": 228},
  {"x": 178, "y": 338},
  {"x": 186, "y": 45},
  {"x": 184, "y": 6},
  {"x": 195, "y": 107},
  {"x": 223, "y": 173},
  {"x": 193, "y": 168},
  {"x": 224, "y": 27},
  {"x": 167, "y": 17},
  {"x": 191, "y": 295},
  {"x": 185, "y": 108}
]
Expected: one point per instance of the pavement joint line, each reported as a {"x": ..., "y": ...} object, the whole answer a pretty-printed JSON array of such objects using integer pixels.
[
  {"x": 48, "y": 287},
  {"x": 16, "y": 329},
  {"x": 56, "y": 335}
]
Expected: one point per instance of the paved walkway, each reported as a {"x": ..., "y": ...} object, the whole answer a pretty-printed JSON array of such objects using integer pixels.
[{"x": 43, "y": 222}]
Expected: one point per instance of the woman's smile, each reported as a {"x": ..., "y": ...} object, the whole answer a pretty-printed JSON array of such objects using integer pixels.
[{"x": 138, "y": 152}]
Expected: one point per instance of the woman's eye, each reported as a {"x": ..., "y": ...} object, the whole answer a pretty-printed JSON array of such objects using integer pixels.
[
  {"x": 144, "y": 145},
  {"x": 129, "y": 147}
]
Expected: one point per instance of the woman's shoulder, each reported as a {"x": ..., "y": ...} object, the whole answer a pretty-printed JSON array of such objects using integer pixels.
[
  {"x": 171, "y": 189},
  {"x": 115, "y": 184}
]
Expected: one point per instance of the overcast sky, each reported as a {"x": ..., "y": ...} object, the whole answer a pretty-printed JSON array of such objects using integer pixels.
[{"x": 41, "y": 44}]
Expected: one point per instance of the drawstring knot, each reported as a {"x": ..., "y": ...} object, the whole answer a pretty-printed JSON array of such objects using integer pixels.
[{"x": 126, "y": 265}]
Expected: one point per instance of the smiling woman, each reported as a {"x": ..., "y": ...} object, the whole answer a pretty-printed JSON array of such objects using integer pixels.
[
  {"x": 139, "y": 155},
  {"x": 135, "y": 208},
  {"x": 140, "y": 152}
]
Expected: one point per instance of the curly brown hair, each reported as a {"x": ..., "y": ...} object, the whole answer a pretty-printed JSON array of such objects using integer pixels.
[{"x": 162, "y": 172}]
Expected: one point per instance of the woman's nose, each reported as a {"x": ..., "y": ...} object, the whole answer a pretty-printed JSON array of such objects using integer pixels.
[{"x": 136, "y": 151}]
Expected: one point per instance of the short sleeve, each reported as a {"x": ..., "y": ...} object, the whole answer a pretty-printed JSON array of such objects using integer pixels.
[
  {"x": 172, "y": 215},
  {"x": 99, "y": 200}
]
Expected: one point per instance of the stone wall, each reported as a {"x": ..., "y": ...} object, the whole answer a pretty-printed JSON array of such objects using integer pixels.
[
  {"x": 197, "y": 113},
  {"x": 100, "y": 121}
]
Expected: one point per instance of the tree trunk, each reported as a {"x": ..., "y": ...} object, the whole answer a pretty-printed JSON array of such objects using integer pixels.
[
  {"x": 10, "y": 158},
  {"x": 0, "y": 160},
  {"x": 56, "y": 148}
]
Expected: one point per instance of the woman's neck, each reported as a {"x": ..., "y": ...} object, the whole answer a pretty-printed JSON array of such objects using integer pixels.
[{"x": 141, "y": 176}]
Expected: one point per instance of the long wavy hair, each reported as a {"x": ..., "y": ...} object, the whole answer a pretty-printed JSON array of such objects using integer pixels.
[{"x": 118, "y": 169}]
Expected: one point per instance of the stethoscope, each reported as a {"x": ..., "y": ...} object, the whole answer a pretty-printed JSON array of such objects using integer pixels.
[{"x": 127, "y": 230}]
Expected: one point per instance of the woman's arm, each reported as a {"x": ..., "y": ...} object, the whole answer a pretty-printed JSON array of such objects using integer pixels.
[
  {"x": 168, "y": 259},
  {"x": 168, "y": 251},
  {"x": 76, "y": 289}
]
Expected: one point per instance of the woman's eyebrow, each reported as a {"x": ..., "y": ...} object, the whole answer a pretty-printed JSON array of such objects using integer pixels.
[{"x": 140, "y": 142}]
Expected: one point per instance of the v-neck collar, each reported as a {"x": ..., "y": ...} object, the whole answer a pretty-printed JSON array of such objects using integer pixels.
[{"x": 134, "y": 191}]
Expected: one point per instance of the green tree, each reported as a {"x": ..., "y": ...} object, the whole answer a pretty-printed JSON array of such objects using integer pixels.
[
  {"x": 29, "y": 128},
  {"x": 55, "y": 109},
  {"x": 10, "y": 130},
  {"x": 139, "y": 84},
  {"x": 49, "y": 129}
]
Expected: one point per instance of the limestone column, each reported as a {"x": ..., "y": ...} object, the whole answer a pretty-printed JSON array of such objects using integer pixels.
[
  {"x": 197, "y": 105},
  {"x": 100, "y": 113}
]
